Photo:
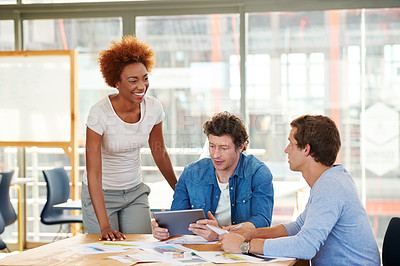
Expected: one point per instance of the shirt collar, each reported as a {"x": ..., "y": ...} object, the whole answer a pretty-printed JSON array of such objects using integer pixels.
[{"x": 239, "y": 167}]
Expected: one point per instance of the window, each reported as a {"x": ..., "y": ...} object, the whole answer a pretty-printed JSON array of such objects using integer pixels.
[
  {"x": 83, "y": 35},
  {"x": 6, "y": 35},
  {"x": 191, "y": 77}
]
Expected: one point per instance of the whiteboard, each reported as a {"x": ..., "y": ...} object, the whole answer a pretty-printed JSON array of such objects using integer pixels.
[{"x": 35, "y": 98}]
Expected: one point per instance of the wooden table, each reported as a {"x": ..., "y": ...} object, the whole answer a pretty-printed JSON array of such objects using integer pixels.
[{"x": 56, "y": 253}]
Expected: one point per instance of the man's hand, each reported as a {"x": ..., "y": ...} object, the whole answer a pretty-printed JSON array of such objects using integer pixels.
[
  {"x": 231, "y": 242},
  {"x": 245, "y": 231},
  {"x": 109, "y": 234},
  {"x": 200, "y": 227},
  {"x": 159, "y": 232}
]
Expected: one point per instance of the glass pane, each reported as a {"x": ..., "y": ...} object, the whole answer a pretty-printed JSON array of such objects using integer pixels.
[
  {"x": 88, "y": 36},
  {"x": 7, "y": 41},
  {"x": 382, "y": 116},
  {"x": 315, "y": 67},
  {"x": 192, "y": 75},
  {"x": 196, "y": 75},
  {"x": 293, "y": 69}
]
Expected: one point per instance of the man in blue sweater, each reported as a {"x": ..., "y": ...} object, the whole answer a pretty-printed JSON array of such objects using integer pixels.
[
  {"x": 334, "y": 228},
  {"x": 230, "y": 187}
]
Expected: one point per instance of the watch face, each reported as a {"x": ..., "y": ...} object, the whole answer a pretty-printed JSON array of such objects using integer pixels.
[{"x": 244, "y": 247}]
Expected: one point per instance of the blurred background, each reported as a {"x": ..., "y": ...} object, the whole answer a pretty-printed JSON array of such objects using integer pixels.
[{"x": 267, "y": 64}]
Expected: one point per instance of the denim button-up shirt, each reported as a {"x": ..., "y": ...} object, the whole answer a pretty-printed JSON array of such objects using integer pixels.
[{"x": 250, "y": 189}]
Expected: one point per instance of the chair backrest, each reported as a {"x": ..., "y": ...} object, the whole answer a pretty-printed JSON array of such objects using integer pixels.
[
  {"x": 2, "y": 223},
  {"x": 58, "y": 190},
  {"x": 2, "y": 226},
  {"x": 391, "y": 243},
  {"x": 6, "y": 208}
]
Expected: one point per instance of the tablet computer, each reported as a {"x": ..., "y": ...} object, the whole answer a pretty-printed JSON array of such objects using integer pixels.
[{"x": 177, "y": 222}]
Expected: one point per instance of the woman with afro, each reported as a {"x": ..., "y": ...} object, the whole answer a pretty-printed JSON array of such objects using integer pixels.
[{"x": 114, "y": 198}]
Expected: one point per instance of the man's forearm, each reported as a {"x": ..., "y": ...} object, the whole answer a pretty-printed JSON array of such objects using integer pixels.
[
  {"x": 269, "y": 232},
  {"x": 257, "y": 246}
]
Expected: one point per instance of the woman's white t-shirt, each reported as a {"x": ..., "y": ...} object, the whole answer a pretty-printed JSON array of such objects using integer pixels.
[{"x": 121, "y": 141}]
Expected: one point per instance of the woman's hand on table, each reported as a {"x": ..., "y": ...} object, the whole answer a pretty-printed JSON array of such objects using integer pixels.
[{"x": 109, "y": 234}]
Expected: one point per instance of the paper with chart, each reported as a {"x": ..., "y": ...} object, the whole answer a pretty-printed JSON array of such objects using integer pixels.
[
  {"x": 106, "y": 247},
  {"x": 165, "y": 252},
  {"x": 135, "y": 258},
  {"x": 223, "y": 257},
  {"x": 176, "y": 254}
]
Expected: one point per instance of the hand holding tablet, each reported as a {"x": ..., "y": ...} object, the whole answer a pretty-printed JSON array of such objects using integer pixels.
[{"x": 177, "y": 222}]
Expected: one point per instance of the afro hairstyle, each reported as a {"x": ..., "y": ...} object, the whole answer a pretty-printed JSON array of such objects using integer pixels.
[{"x": 122, "y": 53}]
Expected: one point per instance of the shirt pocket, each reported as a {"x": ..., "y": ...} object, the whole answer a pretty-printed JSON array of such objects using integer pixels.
[
  {"x": 243, "y": 206},
  {"x": 196, "y": 204},
  {"x": 244, "y": 198}
]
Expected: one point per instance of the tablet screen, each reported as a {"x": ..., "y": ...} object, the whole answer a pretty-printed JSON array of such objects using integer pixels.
[{"x": 177, "y": 222}]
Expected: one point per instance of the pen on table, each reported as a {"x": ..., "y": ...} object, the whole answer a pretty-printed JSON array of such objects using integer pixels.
[{"x": 236, "y": 227}]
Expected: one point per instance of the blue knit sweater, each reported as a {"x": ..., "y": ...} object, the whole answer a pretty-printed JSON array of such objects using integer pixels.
[{"x": 334, "y": 228}]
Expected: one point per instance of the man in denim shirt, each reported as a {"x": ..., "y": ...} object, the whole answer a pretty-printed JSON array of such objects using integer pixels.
[{"x": 230, "y": 187}]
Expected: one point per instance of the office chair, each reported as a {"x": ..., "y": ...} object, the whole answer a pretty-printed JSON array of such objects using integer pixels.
[
  {"x": 2, "y": 226},
  {"x": 58, "y": 191},
  {"x": 391, "y": 243},
  {"x": 6, "y": 208}
]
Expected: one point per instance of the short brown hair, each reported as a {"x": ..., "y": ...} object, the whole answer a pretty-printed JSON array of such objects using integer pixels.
[
  {"x": 227, "y": 124},
  {"x": 321, "y": 133},
  {"x": 122, "y": 53}
]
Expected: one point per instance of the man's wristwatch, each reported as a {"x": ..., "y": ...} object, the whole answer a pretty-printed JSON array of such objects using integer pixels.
[{"x": 245, "y": 246}]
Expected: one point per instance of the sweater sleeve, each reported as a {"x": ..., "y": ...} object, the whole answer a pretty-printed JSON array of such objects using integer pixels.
[{"x": 311, "y": 229}]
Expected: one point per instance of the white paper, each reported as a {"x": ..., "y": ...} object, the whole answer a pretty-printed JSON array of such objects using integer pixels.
[
  {"x": 106, "y": 247},
  {"x": 189, "y": 239},
  {"x": 217, "y": 230},
  {"x": 223, "y": 257},
  {"x": 135, "y": 258}
]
